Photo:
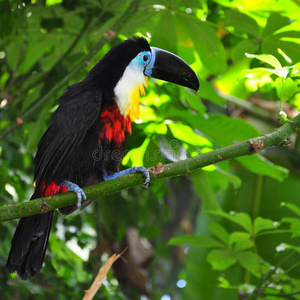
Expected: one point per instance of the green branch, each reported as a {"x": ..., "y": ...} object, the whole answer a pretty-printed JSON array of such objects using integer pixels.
[
  {"x": 251, "y": 108},
  {"x": 184, "y": 167}
]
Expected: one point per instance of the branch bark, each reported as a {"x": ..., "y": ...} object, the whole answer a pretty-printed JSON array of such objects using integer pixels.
[{"x": 247, "y": 147}]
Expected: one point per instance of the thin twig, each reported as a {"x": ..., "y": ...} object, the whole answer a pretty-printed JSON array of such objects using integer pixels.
[
  {"x": 90, "y": 293},
  {"x": 260, "y": 286},
  {"x": 285, "y": 295}
]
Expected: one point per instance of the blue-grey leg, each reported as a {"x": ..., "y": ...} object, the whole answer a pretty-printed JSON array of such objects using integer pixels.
[
  {"x": 143, "y": 170},
  {"x": 73, "y": 187}
]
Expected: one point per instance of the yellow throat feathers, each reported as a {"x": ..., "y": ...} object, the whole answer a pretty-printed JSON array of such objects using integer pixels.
[{"x": 133, "y": 109}]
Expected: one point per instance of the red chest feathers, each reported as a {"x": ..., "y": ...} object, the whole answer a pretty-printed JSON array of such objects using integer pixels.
[{"x": 115, "y": 126}]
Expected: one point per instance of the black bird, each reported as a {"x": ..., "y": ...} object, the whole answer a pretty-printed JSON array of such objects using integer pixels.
[{"x": 85, "y": 141}]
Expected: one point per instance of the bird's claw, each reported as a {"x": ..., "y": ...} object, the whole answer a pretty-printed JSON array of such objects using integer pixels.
[
  {"x": 146, "y": 184},
  {"x": 73, "y": 187},
  {"x": 146, "y": 174},
  {"x": 132, "y": 170}
]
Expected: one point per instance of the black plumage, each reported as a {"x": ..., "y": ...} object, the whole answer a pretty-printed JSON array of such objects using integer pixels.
[
  {"x": 84, "y": 143},
  {"x": 67, "y": 151}
]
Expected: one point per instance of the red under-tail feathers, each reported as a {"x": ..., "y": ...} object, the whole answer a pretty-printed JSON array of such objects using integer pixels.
[
  {"x": 52, "y": 189},
  {"x": 31, "y": 238}
]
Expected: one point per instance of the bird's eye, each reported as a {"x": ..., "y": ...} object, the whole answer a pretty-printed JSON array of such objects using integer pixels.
[{"x": 145, "y": 57}]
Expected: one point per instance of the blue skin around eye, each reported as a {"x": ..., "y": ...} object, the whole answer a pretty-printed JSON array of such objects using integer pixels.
[
  {"x": 138, "y": 60},
  {"x": 149, "y": 67}
]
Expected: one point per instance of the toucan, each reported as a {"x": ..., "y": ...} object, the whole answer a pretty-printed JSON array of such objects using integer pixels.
[{"x": 85, "y": 141}]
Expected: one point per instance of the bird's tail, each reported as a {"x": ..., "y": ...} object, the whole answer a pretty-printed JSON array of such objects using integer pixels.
[{"x": 29, "y": 245}]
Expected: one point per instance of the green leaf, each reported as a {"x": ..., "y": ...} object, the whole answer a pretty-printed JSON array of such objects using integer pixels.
[
  {"x": 67, "y": 263},
  {"x": 14, "y": 52},
  {"x": 219, "y": 231},
  {"x": 52, "y": 2},
  {"x": 198, "y": 271},
  {"x": 292, "y": 207},
  {"x": 225, "y": 284},
  {"x": 241, "y": 241},
  {"x": 136, "y": 155},
  {"x": 233, "y": 179},
  {"x": 285, "y": 246},
  {"x": 259, "y": 72},
  {"x": 261, "y": 224},
  {"x": 159, "y": 128},
  {"x": 203, "y": 189},
  {"x": 260, "y": 165},
  {"x": 250, "y": 262},
  {"x": 287, "y": 34},
  {"x": 37, "y": 45},
  {"x": 38, "y": 127},
  {"x": 206, "y": 43},
  {"x": 220, "y": 259},
  {"x": 244, "y": 46},
  {"x": 147, "y": 113},
  {"x": 267, "y": 58},
  {"x": 275, "y": 22},
  {"x": 220, "y": 178},
  {"x": 294, "y": 225},
  {"x": 241, "y": 22},
  {"x": 153, "y": 155},
  {"x": 193, "y": 101},
  {"x": 186, "y": 134},
  {"x": 203, "y": 4},
  {"x": 198, "y": 241},
  {"x": 220, "y": 128},
  {"x": 241, "y": 219},
  {"x": 235, "y": 87},
  {"x": 225, "y": 130},
  {"x": 207, "y": 91},
  {"x": 166, "y": 24},
  {"x": 290, "y": 48},
  {"x": 33, "y": 97},
  {"x": 286, "y": 89},
  {"x": 296, "y": 69},
  {"x": 192, "y": 3}
]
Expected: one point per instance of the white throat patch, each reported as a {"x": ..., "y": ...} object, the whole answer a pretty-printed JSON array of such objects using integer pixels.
[{"x": 128, "y": 90}]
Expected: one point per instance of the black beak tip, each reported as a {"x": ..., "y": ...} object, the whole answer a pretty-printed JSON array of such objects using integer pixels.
[
  {"x": 196, "y": 84},
  {"x": 192, "y": 81}
]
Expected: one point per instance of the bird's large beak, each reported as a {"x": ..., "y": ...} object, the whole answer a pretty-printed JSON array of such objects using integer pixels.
[{"x": 170, "y": 67}]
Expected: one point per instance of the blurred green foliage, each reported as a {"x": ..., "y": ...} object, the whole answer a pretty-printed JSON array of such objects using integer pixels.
[{"x": 235, "y": 224}]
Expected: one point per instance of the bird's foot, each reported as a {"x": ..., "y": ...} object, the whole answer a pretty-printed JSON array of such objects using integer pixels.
[
  {"x": 132, "y": 170},
  {"x": 73, "y": 187}
]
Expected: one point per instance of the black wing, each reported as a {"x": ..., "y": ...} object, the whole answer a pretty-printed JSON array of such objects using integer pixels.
[{"x": 77, "y": 112}]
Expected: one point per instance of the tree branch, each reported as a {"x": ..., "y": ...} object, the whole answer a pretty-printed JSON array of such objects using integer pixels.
[{"x": 184, "y": 167}]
